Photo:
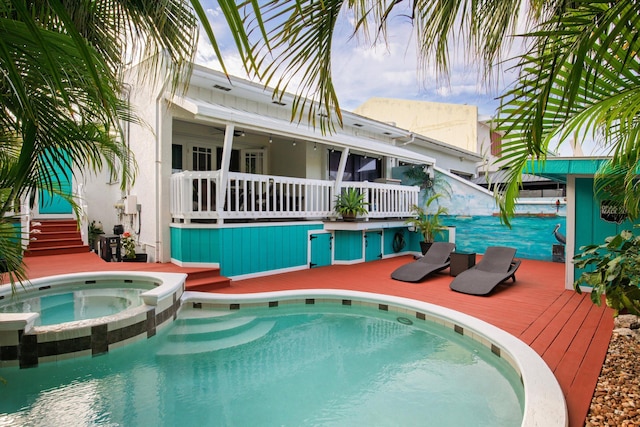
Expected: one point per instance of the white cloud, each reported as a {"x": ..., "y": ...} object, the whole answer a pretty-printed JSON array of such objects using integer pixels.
[{"x": 361, "y": 71}]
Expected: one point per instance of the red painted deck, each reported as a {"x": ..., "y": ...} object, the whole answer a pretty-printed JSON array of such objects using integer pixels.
[{"x": 569, "y": 332}]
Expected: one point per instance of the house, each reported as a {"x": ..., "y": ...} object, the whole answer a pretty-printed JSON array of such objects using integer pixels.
[
  {"x": 227, "y": 179},
  {"x": 590, "y": 217},
  {"x": 453, "y": 125}
]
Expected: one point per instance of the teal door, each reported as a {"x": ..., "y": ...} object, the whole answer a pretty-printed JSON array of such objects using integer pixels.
[
  {"x": 52, "y": 203},
  {"x": 320, "y": 250},
  {"x": 372, "y": 245}
]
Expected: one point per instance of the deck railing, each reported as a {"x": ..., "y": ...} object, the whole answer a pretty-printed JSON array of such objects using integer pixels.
[{"x": 194, "y": 196}]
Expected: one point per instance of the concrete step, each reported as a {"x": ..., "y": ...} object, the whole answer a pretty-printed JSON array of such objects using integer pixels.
[
  {"x": 198, "y": 347},
  {"x": 207, "y": 284},
  {"x": 56, "y": 250},
  {"x": 54, "y": 237},
  {"x": 36, "y": 242}
]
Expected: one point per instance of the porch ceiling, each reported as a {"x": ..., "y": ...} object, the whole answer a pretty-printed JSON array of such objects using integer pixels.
[{"x": 207, "y": 111}]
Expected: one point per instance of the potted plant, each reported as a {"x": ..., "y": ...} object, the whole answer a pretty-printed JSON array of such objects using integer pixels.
[
  {"x": 426, "y": 223},
  {"x": 129, "y": 246},
  {"x": 95, "y": 230},
  {"x": 351, "y": 203},
  {"x": 613, "y": 271}
]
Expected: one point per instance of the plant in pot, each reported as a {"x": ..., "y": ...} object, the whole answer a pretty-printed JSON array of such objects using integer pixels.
[
  {"x": 428, "y": 224},
  {"x": 95, "y": 230},
  {"x": 351, "y": 203},
  {"x": 613, "y": 271},
  {"x": 129, "y": 246}
]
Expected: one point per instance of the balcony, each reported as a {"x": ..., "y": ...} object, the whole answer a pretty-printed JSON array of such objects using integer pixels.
[{"x": 198, "y": 196}]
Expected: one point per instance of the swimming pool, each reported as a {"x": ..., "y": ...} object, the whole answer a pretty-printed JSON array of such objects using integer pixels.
[
  {"x": 532, "y": 236},
  {"x": 86, "y": 314},
  {"x": 77, "y": 305},
  {"x": 236, "y": 361}
]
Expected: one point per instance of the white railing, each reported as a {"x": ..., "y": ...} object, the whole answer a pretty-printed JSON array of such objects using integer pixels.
[{"x": 194, "y": 196}]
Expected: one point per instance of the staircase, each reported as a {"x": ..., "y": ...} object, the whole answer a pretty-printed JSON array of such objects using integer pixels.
[
  {"x": 199, "y": 331},
  {"x": 55, "y": 237},
  {"x": 200, "y": 279}
]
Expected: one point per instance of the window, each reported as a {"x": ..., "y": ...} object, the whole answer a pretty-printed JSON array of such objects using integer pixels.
[
  {"x": 201, "y": 158},
  {"x": 176, "y": 157},
  {"x": 253, "y": 161},
  {"x": 234, "y": 165},
  {"x": 359, "y": 168}
]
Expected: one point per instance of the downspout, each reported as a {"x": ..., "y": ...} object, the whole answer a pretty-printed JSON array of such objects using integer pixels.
[{"x": 158, "y": 167}]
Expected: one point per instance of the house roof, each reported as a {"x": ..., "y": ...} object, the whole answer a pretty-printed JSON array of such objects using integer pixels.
[
  {"x": 242, "y": 88},
  {"x": 558, "y": 168},
  {"x": 205, "y": 110}
]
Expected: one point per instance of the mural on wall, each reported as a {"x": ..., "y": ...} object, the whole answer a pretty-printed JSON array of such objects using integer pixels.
[{"x": 473, "y": 212}]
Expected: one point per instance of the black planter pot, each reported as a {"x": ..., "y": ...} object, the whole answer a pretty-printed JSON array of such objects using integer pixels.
[
  {"x": 424, "y": 247},
  {"x": 138, "y": 258}
]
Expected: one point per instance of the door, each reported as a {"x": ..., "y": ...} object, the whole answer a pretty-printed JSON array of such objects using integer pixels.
[
  {"x": 372, "y": 245},
  {"x": 319, "y": 249},
  {"x": 53, "y": 203},
  {"x": 254, "y": 161}
]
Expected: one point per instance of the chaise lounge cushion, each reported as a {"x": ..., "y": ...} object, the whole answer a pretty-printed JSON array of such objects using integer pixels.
[
  {"x": 496, "y": 266},
  {"x": 436, "y": 259}
]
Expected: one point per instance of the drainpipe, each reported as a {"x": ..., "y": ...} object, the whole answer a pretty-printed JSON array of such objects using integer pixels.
[{"x": 158, "y": 171}]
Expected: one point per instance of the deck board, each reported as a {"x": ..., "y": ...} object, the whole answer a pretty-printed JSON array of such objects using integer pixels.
[{"x": 570, "y": 333}]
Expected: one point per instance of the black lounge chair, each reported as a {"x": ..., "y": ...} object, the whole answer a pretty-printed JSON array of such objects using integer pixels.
[
  {"x": 496, "y": 266},
  {"x": 436, "y": 259}
]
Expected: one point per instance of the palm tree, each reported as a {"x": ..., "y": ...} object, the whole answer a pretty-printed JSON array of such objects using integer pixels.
[
  {"x": 582, "y": 76},
  {"x": 580, "y": 72},
  {"x": 62, "y": 65}
]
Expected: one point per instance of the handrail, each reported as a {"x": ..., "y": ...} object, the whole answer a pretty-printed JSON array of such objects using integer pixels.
[{"x": 253, "y": 196}]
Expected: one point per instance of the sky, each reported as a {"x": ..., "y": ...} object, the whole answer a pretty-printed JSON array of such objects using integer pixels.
[{"x": 361, "y": 71}]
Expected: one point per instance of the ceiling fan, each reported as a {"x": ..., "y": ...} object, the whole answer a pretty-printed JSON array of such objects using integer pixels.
[{"x": 236, "y": 132}]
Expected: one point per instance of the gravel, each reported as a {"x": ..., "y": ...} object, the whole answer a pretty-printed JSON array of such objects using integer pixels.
[{"x": 616, "y": 400}]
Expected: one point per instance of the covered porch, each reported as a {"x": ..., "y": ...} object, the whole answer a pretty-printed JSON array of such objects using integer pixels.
[{"x": 232, "y": 165}]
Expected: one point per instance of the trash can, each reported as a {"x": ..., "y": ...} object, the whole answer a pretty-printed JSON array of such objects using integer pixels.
[
  {"x": 110, "y": 248},
  {"x": 461, "y": 261}
]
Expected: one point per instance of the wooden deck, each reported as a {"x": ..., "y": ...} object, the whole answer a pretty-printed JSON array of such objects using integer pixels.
[{"x": 569, "y": 332}]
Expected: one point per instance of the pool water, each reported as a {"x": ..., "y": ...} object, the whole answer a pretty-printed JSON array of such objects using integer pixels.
[
  {"x": 316, "y": 365},
  {"x": 532, "y": 236},
  {"x": 76, "y": 305}
]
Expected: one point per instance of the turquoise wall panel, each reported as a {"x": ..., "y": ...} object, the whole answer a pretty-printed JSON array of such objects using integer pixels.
[
  {"x": 243, "y": 250},
  {"x": 389, "y": 235},
  {"x": 321, "y": 250},
  {"x": 589, "y": 227},
  {"x": 373, "y": 245},
  {"x": 348, "y": 245}
]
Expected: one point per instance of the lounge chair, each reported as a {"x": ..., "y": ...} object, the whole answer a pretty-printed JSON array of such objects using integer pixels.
[
  {"x": 496, "y": 266},
  {"x": 436, "y": 259}
]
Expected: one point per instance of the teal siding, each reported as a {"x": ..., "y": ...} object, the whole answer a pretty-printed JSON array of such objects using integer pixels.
[
  {"x": 348, "y": 245},
  {"x": 243, "y": 250},
  {"x": 320, "y": 250},
  {"x": 373, "y": 245},
  {"x": 389, "y": 235},
  {"x": 589, "y": 228}
]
